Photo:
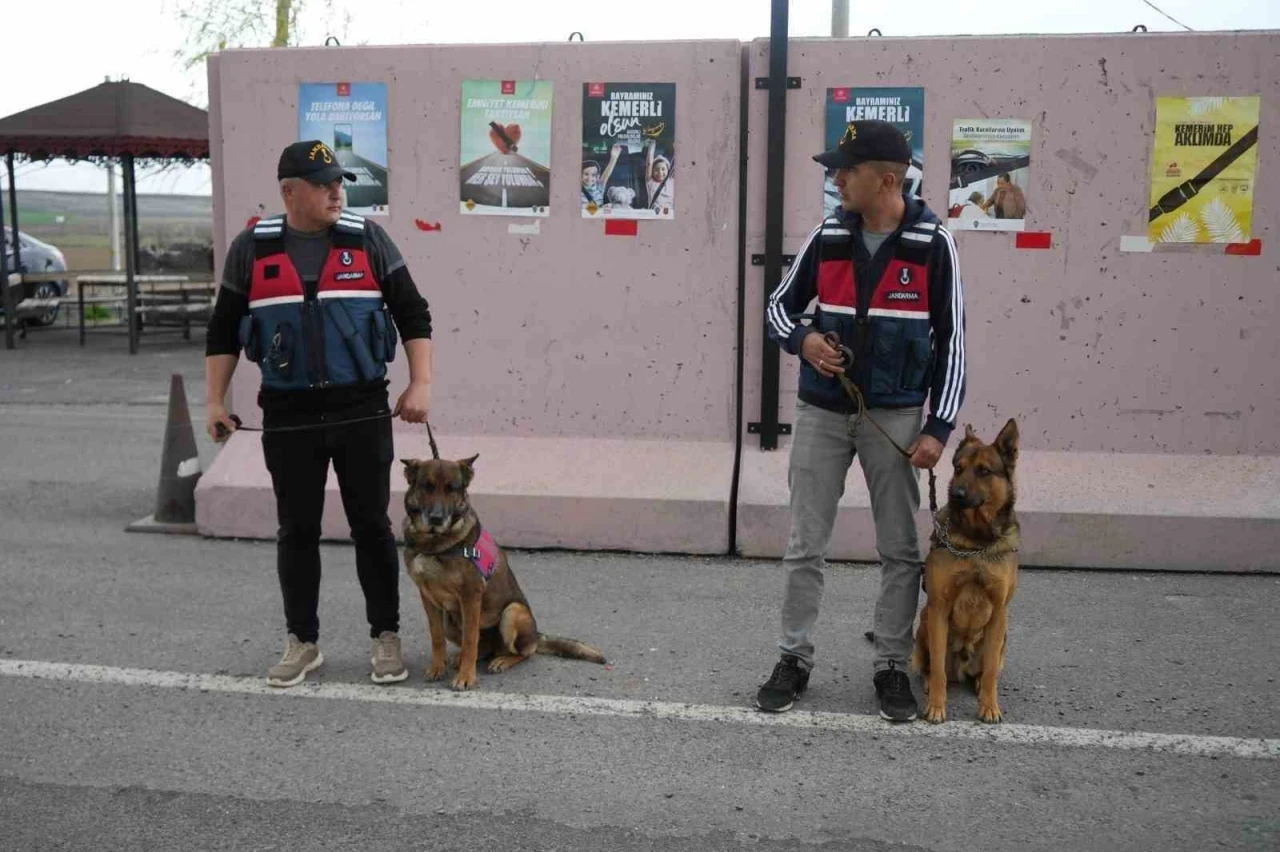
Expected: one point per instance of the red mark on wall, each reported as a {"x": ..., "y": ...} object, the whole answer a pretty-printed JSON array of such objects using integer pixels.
[
  {"x": 1252, "y": 248},
  {"x": 1034, "y": 240},
  {"x": 621, "y": 227},
  {"x": 426, "y": 226}
]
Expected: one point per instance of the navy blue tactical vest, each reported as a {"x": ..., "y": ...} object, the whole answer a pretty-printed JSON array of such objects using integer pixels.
[{"x": 339, "y": 335}]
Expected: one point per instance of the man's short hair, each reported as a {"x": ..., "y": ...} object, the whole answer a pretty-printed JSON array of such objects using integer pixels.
[
  {"x": 1004, "y": 176},
  {"x": 590, "y": 164},
  {"x": 882, "y": 167}
]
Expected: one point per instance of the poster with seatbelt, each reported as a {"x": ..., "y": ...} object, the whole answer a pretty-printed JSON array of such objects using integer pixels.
[
  {"x": 900, "y": 105},
  {"x": 990, "y": 174},
  {"x": 628, "y": 151},
  {"x": 1203, "y": 168},
  {"x": 506, "y": 148},
  {"x": 351, "y": 118}
]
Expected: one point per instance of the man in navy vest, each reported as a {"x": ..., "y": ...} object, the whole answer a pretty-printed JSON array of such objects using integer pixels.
[
  {"x": 886, "y": 278},
  {"x": 316, "y": 298}
]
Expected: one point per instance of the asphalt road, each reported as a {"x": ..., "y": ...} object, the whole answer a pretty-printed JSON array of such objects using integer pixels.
[{"x": 658, "y": 750}]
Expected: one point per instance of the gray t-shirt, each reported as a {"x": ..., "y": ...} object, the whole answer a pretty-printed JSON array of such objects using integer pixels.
[
  {"x": 871, "y": 239},
  {"x": 307, "y": 250}
]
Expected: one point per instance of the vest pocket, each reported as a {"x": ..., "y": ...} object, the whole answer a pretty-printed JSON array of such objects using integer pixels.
[
  {"x": 383, "y": 335},
  {"x": 250, "y": 342},
  {"x": 279, "y": 360},
  {"x": 887, "y": 355},
  {"x": 366, "y": 364},
  {"x": 915, "y": 369}
]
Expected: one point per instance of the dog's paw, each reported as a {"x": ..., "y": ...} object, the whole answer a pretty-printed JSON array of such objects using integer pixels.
[
  {"x": 464, "y": 680},
  {"x": 501, "y": 664},
  {"x": 935, "y": 713},
  {"x": 990, "y": 713},
  {"x": 436, "y": 671}
]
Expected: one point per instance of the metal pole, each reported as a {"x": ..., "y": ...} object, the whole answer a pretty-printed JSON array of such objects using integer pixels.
[
  {"x": 773, "y": 195},
  {"x": 840, "y": 18},
  {"x": 4, "y": 283},
  {"x": 130, "y": 252},
  {"x": 13, "y": 215},
  {"x": 113, "y": 214}
]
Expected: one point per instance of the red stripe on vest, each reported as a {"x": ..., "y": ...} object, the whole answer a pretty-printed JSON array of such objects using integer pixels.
[
  {"x": 903, "y": 287},
  {"x": 286, "y": 283},
  {"x": 347, "y": 269},
  {"x": 835, "y": 283}
]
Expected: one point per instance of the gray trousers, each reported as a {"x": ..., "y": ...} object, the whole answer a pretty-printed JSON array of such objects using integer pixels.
[{"x": 822, "y": 451}]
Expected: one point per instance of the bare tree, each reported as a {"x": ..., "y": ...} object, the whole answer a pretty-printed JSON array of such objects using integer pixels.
[{"x": 213, "y": 25}]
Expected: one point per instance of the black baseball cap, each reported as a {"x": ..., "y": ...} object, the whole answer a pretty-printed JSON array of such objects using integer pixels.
[
  {"x": 311, "y": 160},
  {"x": 867, "y": 140}
]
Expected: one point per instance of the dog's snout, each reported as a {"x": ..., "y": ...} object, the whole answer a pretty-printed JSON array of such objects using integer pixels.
[{"x": 957, "y": 492}]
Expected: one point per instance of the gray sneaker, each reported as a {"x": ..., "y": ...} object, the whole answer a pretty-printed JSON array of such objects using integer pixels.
[
  {"x": 388, "y": 665},
  {"x": 299, "y": 658}
]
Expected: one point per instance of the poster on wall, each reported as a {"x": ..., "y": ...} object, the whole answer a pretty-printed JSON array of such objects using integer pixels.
[
  {"x": 1203, "y": 165},
  {"x": 903, "y": 106},
  {"x": 990, "y": 174},
  {"x": 351, "y": 118},
  {"x": 506, "y": 147},
  {"x": 628, "y": 151}
]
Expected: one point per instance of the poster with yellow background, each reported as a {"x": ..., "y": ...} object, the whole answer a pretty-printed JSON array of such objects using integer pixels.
[{"x": 1203, "y": 170}]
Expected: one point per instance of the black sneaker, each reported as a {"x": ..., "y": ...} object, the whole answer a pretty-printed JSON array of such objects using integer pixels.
[
  {"x": 788, "y": 680},
  {"x": 893, "y": 688}
]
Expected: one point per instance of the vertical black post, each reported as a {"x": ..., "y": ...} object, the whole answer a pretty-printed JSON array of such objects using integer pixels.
[
  {"x": 773, "y": 198},
  {"x": 744, "y": 113},
  {"x": 130, "y": 253},
  {"x": 13, "y": 216},
  {"x": 4, "y": 282}
]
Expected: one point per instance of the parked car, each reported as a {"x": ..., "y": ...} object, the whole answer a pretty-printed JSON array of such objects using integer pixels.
[{"x": 37, "y": 256}]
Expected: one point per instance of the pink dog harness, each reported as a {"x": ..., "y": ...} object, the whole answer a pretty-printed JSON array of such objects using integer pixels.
[{"x": 483, "y": 554}]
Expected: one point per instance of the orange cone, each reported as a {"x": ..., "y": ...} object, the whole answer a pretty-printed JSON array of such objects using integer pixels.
[{"x": 179, "y": 471}]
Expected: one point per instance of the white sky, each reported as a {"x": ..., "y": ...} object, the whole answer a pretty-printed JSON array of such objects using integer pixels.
[{"x": 56, "y": 55}]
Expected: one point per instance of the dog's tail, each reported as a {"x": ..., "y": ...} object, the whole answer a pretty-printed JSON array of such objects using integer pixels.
[{"x": 571, "y": 648}]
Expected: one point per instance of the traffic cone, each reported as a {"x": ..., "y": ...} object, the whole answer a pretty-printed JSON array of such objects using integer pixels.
[{"x": 179, "y": 471}]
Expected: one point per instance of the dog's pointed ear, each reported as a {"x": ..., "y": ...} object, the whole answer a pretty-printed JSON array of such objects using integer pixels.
[
  {"x": 969, "y": 435},
  {"x": 468, "y": 468},
  {"x": 410, "y": 470},
  {"x": 1006, "y": 442}
]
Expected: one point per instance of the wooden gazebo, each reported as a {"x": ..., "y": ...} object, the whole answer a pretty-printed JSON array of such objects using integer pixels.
[{"x": 122, "y": 121}]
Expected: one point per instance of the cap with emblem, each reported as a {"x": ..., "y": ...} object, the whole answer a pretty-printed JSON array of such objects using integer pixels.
[
  {"x": 312, "y": 161},
  {"x": 864, "y": 141}
]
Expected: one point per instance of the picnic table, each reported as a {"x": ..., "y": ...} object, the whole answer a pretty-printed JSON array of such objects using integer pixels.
[{"x": 155, "y": 299}]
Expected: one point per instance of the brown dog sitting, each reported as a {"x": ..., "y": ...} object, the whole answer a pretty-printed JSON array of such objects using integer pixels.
[
  {"x": 468, "y": 590},
  {"x": 970, "y": 576}
]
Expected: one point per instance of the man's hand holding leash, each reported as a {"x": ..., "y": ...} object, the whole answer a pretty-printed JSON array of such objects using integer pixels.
[{"x": 414, "y": 404}]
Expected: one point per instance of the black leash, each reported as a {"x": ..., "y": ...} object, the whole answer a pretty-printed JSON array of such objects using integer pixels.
[
  {"x": 305, "y": 427},
  {"x": 855, "y": 393},
  {"x": 223, "y": 433}
]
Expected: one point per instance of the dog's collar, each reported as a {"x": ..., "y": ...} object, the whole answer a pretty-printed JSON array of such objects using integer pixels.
[
  {"x": 480, "y": 549},
  {"x": 941, "y": 529}
]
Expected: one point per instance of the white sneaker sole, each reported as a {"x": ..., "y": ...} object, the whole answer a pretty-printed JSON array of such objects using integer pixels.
[
  {"x": 403, "y": 674},
  {"x": 301, "y": 676}
]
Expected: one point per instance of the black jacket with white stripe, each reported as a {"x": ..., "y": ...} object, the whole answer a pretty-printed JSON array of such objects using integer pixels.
[{"x": 901, "y": 311}]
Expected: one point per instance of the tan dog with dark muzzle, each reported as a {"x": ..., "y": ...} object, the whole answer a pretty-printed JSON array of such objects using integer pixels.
[{"x": 468, "y": 590}]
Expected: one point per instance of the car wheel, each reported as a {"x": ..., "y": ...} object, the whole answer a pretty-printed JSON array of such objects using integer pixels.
[{"x": 48, "y": 290}]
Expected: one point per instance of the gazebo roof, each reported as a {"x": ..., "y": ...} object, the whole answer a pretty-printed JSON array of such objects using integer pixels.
[{"x": 109, "y": 120}]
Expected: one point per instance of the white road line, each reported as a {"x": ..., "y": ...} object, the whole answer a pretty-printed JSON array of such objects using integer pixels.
[{"x": 1009, "y": 734}]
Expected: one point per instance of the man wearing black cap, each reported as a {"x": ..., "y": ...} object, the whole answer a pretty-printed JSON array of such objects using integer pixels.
[
  {"x": 886, "y": 279},
  {"x": 315, "y": 298}
]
